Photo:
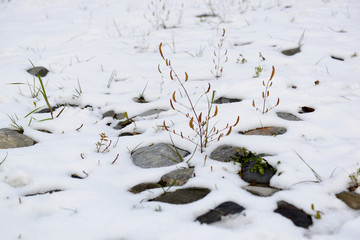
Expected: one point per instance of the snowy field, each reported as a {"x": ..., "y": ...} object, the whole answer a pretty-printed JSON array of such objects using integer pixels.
[{"x": 103, "y": 55}]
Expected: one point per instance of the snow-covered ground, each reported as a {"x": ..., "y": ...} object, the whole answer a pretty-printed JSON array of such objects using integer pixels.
[{"x": 84, "y": 42}]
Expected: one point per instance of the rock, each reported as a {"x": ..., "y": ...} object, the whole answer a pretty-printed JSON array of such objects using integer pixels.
[
  {"x": 13, "y": 139},
  {"x": 143, "y": 186},
  {"x": 47, "y": 110},
  {"x": 296, "y": 215},
  {"x": 337, "y": 58},
  {"x": 305, "y": 109},
  {"x": 151, "y": 112},
  {"x": 177, "y": 177},
  {"x": 351, "y": 199},
  {"x": 224, "y": 209},
  {"x": 123, "y": 124},
  {"x": 291, "y": 51},
  {"x": 261, "y": 191},
  {"x": 222, "y": 100},
  {"x": 158, "y": 155},
  {"x": 266, "y": 131},
  {"x": 41, "y": 70},
  {"x": 251, "y": 174},
  {"x": 183, "y": 196},
  {"x": 124, "y": 134},
  {"x": 288, "y": 116},
  {"x": 110, "y": 113},
  {"x": 225, "y": 153}
]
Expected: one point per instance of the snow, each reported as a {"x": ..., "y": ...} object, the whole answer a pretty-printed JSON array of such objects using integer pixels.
[{"x": 86, "y": 41}]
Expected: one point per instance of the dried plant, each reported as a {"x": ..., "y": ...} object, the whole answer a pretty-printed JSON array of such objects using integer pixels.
[
  {"x": 220, "y": 57},
  {"x": 199, "y": 122},
  {"x": 159, "y": 13},
  {"x": 265, "y": 95}
]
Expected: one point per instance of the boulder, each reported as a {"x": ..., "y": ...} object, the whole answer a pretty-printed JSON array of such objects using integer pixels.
[
  {"x": 296, "y": 215},
  {"x": 13, "y": 139},
  {"x": 224, "y": 209}
]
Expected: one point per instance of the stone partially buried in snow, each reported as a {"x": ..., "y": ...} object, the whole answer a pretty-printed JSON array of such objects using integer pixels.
[
  {"x": 41, "y": 70},
  {"x": 225, "y": 153},
  {"x": 222, "y": 100},
  {"x": 177, "y": 177},
  {"x": 296, "y": 215},
  {"x": 13, "y": 139},
  {"x": 351, "y": 199},
  {"x": 266, "y": 131},
  {"x": 261, "y": 191},
  {"x": 288, "y": 116},
  {"x": 251, "y": 175},
  {"x": 224, "y": 209},
  {"x": 183, "y": 196},
  {"x": 157, "y": 155}
]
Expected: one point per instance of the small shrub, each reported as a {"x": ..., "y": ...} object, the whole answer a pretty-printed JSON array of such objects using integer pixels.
[
  {"x": 220, "y": 57},
  {"x": 199, "y": 122},
  {"x": 265, "y": 95},
  {"x": 244, "y": 156},
  {"x": 101, "y": 145}
]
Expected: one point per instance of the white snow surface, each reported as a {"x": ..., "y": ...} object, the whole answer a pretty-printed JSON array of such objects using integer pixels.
[{"x": 84, "y": 42}]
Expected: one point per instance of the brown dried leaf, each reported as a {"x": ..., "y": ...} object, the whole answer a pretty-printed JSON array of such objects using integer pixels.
[
  {"x": 273, "y": 72},
  {"x": 278, "y": 101},
  {"x": 223, "y": 34},
  {"x": 270, "y": 84},
  {"x": 199, "y": 118},
  {"x": 161, "y": 54},
  {"x": 253, "y": 103},
  {"x": 263, "y": 83},
  {"x": 171, "y": 104},
  {"x": 267, "y": 93},
  {"x": 263, "y": 95},
  {"x": 186, "y": 76},
  {"x": 216, "y": 111},
  {"x": 191, "y": 123},
  {"x": 228, "y": 133},
  {"x": 159, "y": 69},
  {"x": 208, "y": 90},
  {"x": 171, "y": 71},
  {"x": 165, "y": 126},
  {"x": 237, "y": 121}
]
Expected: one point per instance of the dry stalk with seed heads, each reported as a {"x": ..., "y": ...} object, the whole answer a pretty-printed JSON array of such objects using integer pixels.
[
  {"x": 199, "y": 122},
  {"x": 159, "y": 13},
  {"x": 219, "y": 56},
  {"x": 265, "y": 95}
]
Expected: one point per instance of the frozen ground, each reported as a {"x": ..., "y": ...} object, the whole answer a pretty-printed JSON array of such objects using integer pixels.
[{"x": 82, "y": 42}]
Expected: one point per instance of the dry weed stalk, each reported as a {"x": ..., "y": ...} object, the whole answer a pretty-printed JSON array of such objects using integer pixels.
[
  {"x": 265, "y": 95},
  {"x": 218, "y": 57},
  {"x": 199, "y": 122},
  {"x": 159, "y": 13}
]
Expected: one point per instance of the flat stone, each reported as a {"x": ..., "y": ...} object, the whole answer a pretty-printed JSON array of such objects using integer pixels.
[
  {"x": 249, "y": 175},
  {"x": 222, "y": 100},
  {"x": 266, "y": 131},
  {"x": 41, "y": 70},
  {"x": 151, "y": 112},
  {"x": 288, "y": 116},
  {"x": 110, "y": 113},
  {"x": 351, "y": 199},
  {"x": 157, "y": 155},
  {"x": 143, "y": 186},
  {"x": 13, "y": 139},
  {"x": 225, "y": 153},
  {"x": 296, "y": 215},
  {"x": 177, "y": 177},
  {"x": 183, "y": 196},
  {"x": 122, "y": 124},
  {"x": 261, "y": 191},
  {"x": 224, "y": 209},
  {"x": 291, "y": 51}
]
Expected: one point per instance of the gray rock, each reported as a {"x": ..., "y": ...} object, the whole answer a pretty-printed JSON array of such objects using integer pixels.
[
  {"x": 225, "y": 153},
  {"x": 224, "y": 209},
  {"x": 261, "y": 191},
  {"x": 143, "y": 186},
  {"x": 158, "y": 155},
  {"x": 41, "y": 70},
  {"x": 351, "y": 199},
  {"x": 151, "y": 112},
  {"x": 110, "y": 113},
  {"x": 222, "y": 100},
  {"x": 291, "y": 51},
  {"x": 249, "y": 175},
  {"x": 123, "y": 124},
  {"x": 13, "y": 139},
  {"x": 288, "y": 116},
  {"x": 183, "y": 196},
  {"x": 296, "y": 215},
  {"x": 266, "y": 131},
  {"x": 177, "y": 177}
]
